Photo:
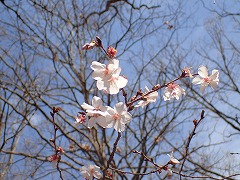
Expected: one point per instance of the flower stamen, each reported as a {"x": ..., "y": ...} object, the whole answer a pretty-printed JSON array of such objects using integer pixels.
[{"x": 116, "y": 117}]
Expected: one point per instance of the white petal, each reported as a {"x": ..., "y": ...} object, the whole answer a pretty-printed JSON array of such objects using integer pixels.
[
  {"x": 87, "y": 106},
  {"x": 98, "y": 75},
  {"x": 116, "y": 72},
  {"x": 202, "y": 88},
  {"x": 104, "y": 109},
  {"x": 203, "y": 72},
  {"x": 153, "y": 96},
  {"x": 127, "y": 118},
  {"x": 167, "y": 94},
  {"x": 197, "y": 80},
  {"x": 97, "y": 66},
  {"x": 165, "y": 98},
  {"x": 110, "y": 111},
  {"x": 100, "y": 85},
  {"x": 97, "y": 102},
  {"x": 146, "y": 89},
  {"x": 214, "y": 84},
  {"x": 140, "y": 103},
  {"x": 102, "y": 121},
  {"x": 97, "y": 168},
  {"x": 97, "y": 175},
  {"x": 91, "y": 122},
  {"x": 112, "y": 87},
  {"x": 121, "y": 82},
  {"x": 113, "y": 64},
  {"x": 215, "y": 75},
  {"x": 119, "y": 126},
  {"x": 177, "y": 96},
  {"x": 120, "y": 107},
  {"x": 93, "y": 112},
  {"x": 110, "y": 121},
  {"x": 98, "y": 69}
]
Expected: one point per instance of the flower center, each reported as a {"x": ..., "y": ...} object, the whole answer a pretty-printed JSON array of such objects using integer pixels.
[
  {"x": 116, "y": 116},
  {"x": 207, "y": 80},
  {"x": 172, "y": 86},
  {"x": 106, "y": 72},
  {"x": 96, "y": 115},
  {"x": 92, "y": 171},
  {"x": 96, "y": 108},
  {"x": 112, "y": 79}
]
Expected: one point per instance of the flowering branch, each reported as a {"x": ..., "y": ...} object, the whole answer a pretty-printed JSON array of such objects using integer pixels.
[
  {"x": 55, "y": 158},
  {"x": 157, "y": 88},
  {"x": 109, "y": 80},
  {"x": 196, "y": 123}
]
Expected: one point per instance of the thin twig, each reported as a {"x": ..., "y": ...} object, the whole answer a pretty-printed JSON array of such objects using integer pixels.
[
  {"x": 196, "y": 123},
  {"x": 112, "y": 154},
  {"x": 58, "y": 151}
]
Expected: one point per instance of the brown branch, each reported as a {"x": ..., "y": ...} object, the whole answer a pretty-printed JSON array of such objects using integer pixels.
[
  {"x": 196, "y": 123},
  {"x": 156, "y": 88},
  {"x": 112, "y": 154},
  {"x": 59, "y": 150}
]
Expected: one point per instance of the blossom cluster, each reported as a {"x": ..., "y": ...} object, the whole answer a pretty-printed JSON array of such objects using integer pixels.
[
  {"x": 106, "y": 116},
  {"x": 109, "y": 80},
  {"x": 92, "y": 171},
  {"x": 108, "y": 76}
]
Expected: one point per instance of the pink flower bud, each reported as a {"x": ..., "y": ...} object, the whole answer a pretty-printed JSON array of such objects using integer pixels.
[
  {"x": 81, "y": 118},
  {"x": 111, "y": 52}
]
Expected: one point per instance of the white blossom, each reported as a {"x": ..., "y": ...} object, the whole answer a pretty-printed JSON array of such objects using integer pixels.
[
  {"x": 205, "y": 80},
  {"x": 172, "y": 160},
  {"x": 90, "y": 172},
  {"x": 173, "y": 91},
  {"x": 108, "y": 76},
  {"x": 148, "y": 98},
  {"x": 97, "y": 112},
  {"x": 118, "y": 116}
]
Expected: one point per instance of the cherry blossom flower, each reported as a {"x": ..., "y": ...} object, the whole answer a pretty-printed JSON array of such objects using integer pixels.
[
  {"x": 172, "y": 160},
  {"x": 205, "y": 80},
  {"x": 102, "y": 71},
  {"x": 148, "y": 98},
  {"x": 54, "y": 159},
  {"x": 113, "y": 84},
  {"x": 97, "y": 112},
  {"x": 118, "y": 117},
  {"x": 108, "y": 76},
  {"x": 173, "y": 91},
  {"x": 90, "y": 172}
]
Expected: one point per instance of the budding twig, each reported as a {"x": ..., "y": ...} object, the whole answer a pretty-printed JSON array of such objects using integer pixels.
[
  {"x": 59, "y": 150},
  {"x": 196, "y": 123}
]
